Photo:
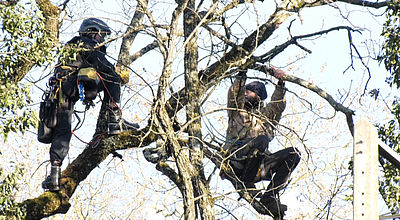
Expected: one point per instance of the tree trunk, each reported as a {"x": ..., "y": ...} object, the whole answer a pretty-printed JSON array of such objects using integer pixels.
[{"x": 203, "y": 200}]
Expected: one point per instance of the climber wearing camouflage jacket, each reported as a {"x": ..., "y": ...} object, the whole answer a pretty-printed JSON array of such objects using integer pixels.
[{"x": 251, "y": 127}]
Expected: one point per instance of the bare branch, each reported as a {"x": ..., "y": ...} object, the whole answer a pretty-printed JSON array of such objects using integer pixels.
[
  {"x": 278, "y": 49},
  {"x": 363, "y": 3},
  {"x": 311, "y": 86},
  {"x": 64, "y": 5},
  {"x": 220, "y": 36},
  {"x": 143, "y": 51},
  {"x": 352, "y": 46},
  {"x": 295, "y": 6}
]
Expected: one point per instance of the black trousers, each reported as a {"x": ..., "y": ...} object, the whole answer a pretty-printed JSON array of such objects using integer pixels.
[
  {"x": 62, "y": 132},
  {"x": 275, "y": 167},
  {"x": 278, "y": 167},
  {"x": 110, "y": 85}
]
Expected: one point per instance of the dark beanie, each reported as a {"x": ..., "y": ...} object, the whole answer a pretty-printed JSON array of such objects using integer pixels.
[{"x": 258, "y": 88}]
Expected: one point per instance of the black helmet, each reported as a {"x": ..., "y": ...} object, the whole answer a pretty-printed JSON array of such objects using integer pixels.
[{"x": 94, "y": 25}]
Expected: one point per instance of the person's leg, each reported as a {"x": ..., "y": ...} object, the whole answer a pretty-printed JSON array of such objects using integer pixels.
[
  {"x": 246, "y": 169},
  {"x": 246, "y": 161},
  {"x": 282, "y": 164},
  {"x": 59, "y": 146},
  {"x": 111, "y": 87},
  {"x": 257, "y": 150},
  {"x": 61, "y": 136},
  {"x": 110, "y": 84}
]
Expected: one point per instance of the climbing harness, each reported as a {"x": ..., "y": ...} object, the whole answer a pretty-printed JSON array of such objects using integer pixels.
[{"x": 74, "y": 85}]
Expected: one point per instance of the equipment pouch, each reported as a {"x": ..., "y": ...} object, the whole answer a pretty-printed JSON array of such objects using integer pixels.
[
  {"x": 70, "y": 89},
  {"x": 88, "y": 77},
  {"x": 48, "y": 113},
  {"x": 47, "y": 120},
  {"x": 45, "y": 134}
]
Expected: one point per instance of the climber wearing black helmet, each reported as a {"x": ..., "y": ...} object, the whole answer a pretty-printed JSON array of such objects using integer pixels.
[{"x": 80, "y": 77}]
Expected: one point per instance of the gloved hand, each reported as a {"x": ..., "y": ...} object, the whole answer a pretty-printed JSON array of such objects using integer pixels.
[
  {"x": 281, "y": 83},
  {"x": 242, "y": 73},
  {"x": 278, "y": 73},
  {"x": 123, "y": 73}
]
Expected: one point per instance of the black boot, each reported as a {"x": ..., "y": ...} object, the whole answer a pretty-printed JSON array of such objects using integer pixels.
[
  {"x": 275, "y": 208},
  {"x": 53, "y": 181},
  {"x": 116, "y": 124}
]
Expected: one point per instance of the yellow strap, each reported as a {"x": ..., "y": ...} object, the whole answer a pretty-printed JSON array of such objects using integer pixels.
[
  {"x": 59, "y": 91},
  {"x": 66, "y": 68}
]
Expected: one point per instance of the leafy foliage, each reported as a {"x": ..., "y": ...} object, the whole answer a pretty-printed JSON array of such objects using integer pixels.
[
  {"x": 390, "y": 132},
  {"x": 13, "y": 108},
  {"x": 390, "y": 186},
  {"x": 24, "y": 43},
  {"x": 9, "y": 208},
  {"x": 391, "y": 47},
  {"x": 69, "y": 52}
]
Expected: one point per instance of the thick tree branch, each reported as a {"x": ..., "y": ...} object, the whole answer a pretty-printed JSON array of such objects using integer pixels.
[
  {"x": 52, "y": 15},
  {"x": 50, "y": 203},
  {"x": 124, "y": 58}
]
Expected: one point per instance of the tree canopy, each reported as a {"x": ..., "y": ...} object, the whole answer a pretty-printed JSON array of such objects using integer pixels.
[{"x": 182, "y": 55}]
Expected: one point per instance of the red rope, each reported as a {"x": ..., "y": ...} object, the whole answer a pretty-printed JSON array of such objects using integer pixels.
[
  {"x": 112, "y": 100},
  {"x": 108, "y": 92},
  {"x": 95, "y": 142}
]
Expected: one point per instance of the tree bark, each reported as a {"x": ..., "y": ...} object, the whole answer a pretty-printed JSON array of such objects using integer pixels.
[
  {"x": 203, "y": 200},
  {"x": 124, "y": 58}
]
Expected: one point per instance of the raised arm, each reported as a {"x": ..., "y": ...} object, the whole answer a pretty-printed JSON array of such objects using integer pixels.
[
  {"x": 236, "y": 92},
  {"x": 276, "y": 106}
]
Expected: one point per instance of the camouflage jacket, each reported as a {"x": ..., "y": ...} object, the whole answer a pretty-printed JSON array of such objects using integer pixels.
[{"x": 245, "y": 123}]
